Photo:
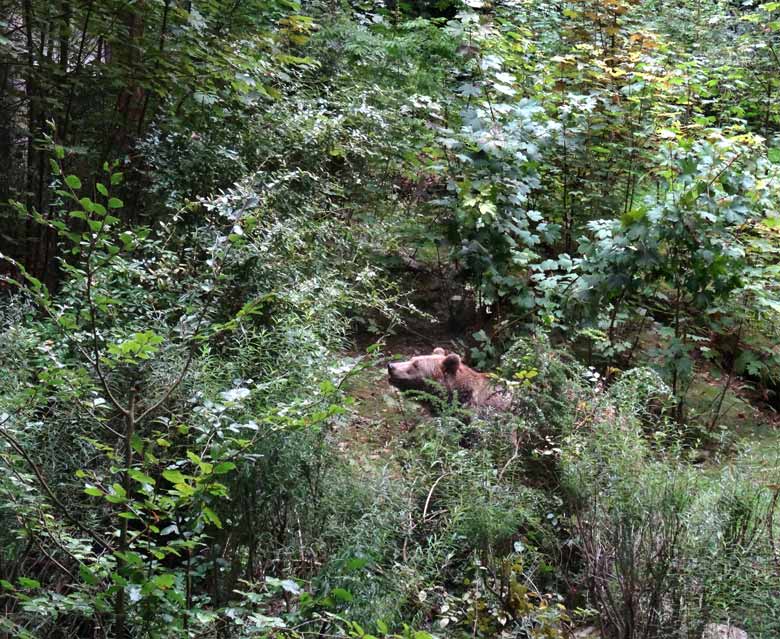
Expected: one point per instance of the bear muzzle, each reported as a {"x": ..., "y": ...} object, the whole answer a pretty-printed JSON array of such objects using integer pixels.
[
  {"x": 398, "y": 376},
  {"x": 393, "y": 371}
]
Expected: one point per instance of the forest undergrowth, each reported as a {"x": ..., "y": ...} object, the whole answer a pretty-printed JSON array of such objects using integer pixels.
[{"x": 219, "y": 221}]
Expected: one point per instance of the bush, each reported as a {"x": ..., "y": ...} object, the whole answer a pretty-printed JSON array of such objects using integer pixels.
[{"x": 665, "y": 547}]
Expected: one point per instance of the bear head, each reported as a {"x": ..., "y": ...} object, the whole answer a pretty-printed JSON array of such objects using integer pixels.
[{"x": 421, "y": 373}]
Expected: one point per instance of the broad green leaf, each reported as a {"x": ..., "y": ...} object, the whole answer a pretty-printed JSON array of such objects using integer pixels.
[
  {"x": 175, "y": 477},
  {"x": 26, "y": 582},
  {"x": 140, "y": 477},
  {"x": 210, "y": 516},
  {"x": 165, "y": 581},
  {"x": 224, "y": 467},
  {"x": 87, "y": 575},
  {"x": 342, "y": 594}
]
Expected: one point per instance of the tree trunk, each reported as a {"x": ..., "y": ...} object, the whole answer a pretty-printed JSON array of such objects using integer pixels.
[{"x": 131, "y": 99}]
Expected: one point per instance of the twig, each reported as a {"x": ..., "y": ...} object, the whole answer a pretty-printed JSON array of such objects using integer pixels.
[
  {"x": 14, "y": 443},
  {"x": 47, "y": 555},
  {"x": 770, "y": 526},
  {"x": 191, "y": 356},
  {"x": 430, "y": 494}
]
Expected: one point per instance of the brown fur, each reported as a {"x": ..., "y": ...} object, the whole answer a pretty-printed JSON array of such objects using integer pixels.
[{"x": 437, "y": 371}]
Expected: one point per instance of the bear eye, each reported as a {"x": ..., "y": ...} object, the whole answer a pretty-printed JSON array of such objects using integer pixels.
[{"x": 416, "y": 364}]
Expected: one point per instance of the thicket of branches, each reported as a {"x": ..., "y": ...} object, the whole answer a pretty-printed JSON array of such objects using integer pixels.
[{"x": 206, "y": 205}]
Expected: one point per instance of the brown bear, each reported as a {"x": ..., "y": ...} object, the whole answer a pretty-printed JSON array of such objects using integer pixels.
[{"x": 442, "y": 373}]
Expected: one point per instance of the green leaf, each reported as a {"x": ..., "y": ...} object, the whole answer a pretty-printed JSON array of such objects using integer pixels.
[
  {"x": 185, "y": 490},
  {"x": 342, "y": 594},
  {"x": 486, "y": 207},
  {"x": 29, "y": 583},
  {"x": 210, "y": 516},
  {"x": 87, "y": 575},
  {"x": 101, "y": 189},
  {"x": 772, "y": 222},
  {"x": 136, "y": 443},
  {"x": 129, "y": 557},
  {"x": 356, "y": 563},
  {"x": 73, "y": 182},
  {"x": 165, "y": 582},
  {"x": 115, "y": 203},
  {"x": 224, "y": 467},
  {"x": 175, "y": 477},
  {"x": 93, "y": 491},
  {"x": 773, "y": 155},
  {"x": 327, "y": 387},
  {"x": 140, "y": 477}
]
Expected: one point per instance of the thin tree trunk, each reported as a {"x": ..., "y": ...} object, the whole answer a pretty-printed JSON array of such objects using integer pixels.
[
  {"x": 130, "y": 99},
  {"x": 77, "y": 70},
  {"x": 160, "y": 49},
  {"x": 120, "y": 606},
  {"x": 6, "y": 122}
]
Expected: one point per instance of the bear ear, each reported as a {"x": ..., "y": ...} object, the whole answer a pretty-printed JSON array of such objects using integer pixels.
[
  {"x": 451, "y": 364},
  {"x": 439, "y": 351}
]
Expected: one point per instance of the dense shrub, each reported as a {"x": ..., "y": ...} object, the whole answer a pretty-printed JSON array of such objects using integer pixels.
[
  {"x": 666, "y": 546},
  {"x": 190, "y": 423}
]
